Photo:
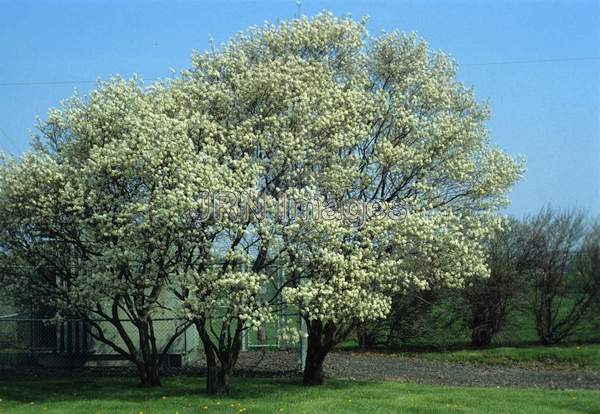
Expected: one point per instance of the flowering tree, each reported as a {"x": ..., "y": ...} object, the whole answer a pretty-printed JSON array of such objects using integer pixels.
[
  {"x": 329, "y": 114},
  {"x": 95, "y": 219},
  {"x": 260, "y": 109}
]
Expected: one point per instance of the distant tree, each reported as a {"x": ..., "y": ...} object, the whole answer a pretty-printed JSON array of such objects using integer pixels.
[
  {"x": 490, "y": 301},
  {"x": 564, "y": 248},
  {"x": 367, "y": 335},
  {"x": 586, "y": 266},
  {"x": 410, "y": 315},
  {"x": 407, "y": 319}
]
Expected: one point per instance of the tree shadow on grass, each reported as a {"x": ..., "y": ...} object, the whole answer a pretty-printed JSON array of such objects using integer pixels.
[{"x": 39, "y": 389}]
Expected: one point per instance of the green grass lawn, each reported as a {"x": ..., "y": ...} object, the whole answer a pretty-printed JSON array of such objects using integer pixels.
[
  {"x": 183, "y": 395},
  {"x": 551, "y": 357}
]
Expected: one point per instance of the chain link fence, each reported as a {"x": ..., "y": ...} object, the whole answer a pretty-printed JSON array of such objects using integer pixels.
[{"x": 27, "y": 342}]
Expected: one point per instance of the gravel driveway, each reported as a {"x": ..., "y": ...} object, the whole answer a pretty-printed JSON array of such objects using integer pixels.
[{"x": 375, "y": 366}]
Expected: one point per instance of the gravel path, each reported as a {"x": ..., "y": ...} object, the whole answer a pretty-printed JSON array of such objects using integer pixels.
[
  {"x": 359, "y": 366},
  {"x": 389, "y": 367}
]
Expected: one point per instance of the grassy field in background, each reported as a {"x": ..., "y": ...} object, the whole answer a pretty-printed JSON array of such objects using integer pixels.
[
  {"x": 549, "y": 357},
  {"x": 515, "y": 346},
  {"x": 184, "y": 396},
  {"x": 442, "y": 330}
]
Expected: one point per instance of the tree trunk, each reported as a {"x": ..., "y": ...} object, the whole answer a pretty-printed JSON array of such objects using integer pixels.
[
  {"x": 548, "y": 338},
  {"x": 219, "y": 370},
  {"x": 481, "y": 337},
  {"x": 149, "y": 375},
  {"x": 366, "y": 339},
  {"x": 320, "y": 342},
  {"x": 218, "y": 378},
  {"x": 149, "y": 365},
  {"x": 313, "y": 370}
]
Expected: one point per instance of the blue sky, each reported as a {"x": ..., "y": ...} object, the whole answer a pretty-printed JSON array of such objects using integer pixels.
[{"x": 537, "y": 63}]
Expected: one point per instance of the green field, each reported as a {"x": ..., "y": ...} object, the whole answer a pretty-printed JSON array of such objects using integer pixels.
[
  {"x": 184, "y": 396},
  {"x": 548, "y": 357},
  {"x": 442, "y": 330}
]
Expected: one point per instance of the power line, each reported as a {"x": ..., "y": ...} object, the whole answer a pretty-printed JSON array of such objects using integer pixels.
[
  {"x": 520, "y": 62},
  {"x": 491, "y": 63},
  {"x": 58, "y": 82}
]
